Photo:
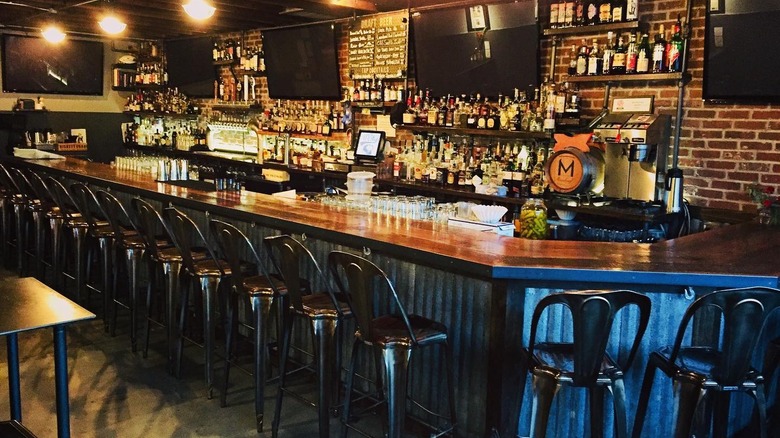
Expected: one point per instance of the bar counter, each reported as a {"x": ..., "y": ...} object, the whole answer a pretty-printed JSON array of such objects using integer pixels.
[{"x": 484, "y": 286}]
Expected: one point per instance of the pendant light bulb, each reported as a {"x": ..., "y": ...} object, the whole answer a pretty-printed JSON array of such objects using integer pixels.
[
  {"x": 53, "y": 34},
  {"x": 112, "y": 25},
  {"x": 199, "y": 9}
]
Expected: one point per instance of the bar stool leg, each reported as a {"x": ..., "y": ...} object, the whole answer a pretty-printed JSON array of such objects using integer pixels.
[
  {"x": 40, "y": 231},
  {"x": 348, "y": 387},
  {"x": 20, "y": 224},
  {"x": 106, "y": 244},
  {"x": 596, "y": 394},
  {"x": 79, "y": 235},
  {"x": 171, "y": 271},
  {"x": 395, "y": 364},
  {"x": 4, "y": 222},
  {"x": 690, "y": 397},
  {"x": 324, "y": 331},
  {"x": 544, "y": 389},
  {"x": 618, "y": 390},
  {"x": 261, "y": 309},
  {"x": 285, "y": 317},
  {"x": 55, "y": 226},
  {"x": 133, "y": 258},
  {"x": 760, "y": 399},
  {"x": 209, "y": 286}
]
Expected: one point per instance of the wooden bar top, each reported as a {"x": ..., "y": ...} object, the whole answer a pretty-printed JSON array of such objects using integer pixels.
[{"x": 730, "y": 256}]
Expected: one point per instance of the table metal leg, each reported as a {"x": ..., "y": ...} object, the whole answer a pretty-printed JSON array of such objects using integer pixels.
[
  {"x": 61, "y": 381},
  {"x": 13, "y": 377}
]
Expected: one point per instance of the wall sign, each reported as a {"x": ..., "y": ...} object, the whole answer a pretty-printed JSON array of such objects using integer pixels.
[{"x": 378, "y": 46}]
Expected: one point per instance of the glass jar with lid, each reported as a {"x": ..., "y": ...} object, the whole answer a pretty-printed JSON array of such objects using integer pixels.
[{"x": 533, "y": 220}]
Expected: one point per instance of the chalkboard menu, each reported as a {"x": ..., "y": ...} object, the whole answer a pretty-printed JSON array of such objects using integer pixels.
[{"x": 378, "y": 46}]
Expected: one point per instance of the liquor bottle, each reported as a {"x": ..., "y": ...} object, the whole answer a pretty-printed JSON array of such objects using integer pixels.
[
  {"x": 215, "y": 52},
  {"x": 592, "y": 12},
  {"x": 579, "y": 13},
  {"x": 676, "y": 48},
  {"x": 644, "y": 54},
  {"x": 605, "y": 11},
  {"x": 618, "y": 10},
  {"x": 572, "y": 61},
  {"x": 619, "y": 59},
  {"x": 554, "y": 5},
  {"x": 444, "y": 109},
  {"x": 326, "y": 127},
  {"x": 568, "y": 14},
  {"x": 659, "y": 52},
  {"x": 595, "y": 60},
  {"x": 609, "y": 54},
  {"x": 582, "y": 59},
  {"x": 632, "y": 10},
  {"x": 631, "y": 54}
]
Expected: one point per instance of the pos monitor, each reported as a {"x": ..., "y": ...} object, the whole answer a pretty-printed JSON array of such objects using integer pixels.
[{"x": 369, "y": 146}]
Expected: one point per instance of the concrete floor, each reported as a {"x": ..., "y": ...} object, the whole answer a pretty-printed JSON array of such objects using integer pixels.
[{"x": 117, "y": 393}]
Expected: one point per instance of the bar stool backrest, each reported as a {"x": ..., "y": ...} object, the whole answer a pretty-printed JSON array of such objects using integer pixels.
[
  {"x": 361, "y": 275},
  {"x": 232, "y": 244},
  {"x": 115, "y": 212},
  {"x": 86, "y": 203},
  {"x": 287, "y": 255},
  {"x": 40, "y": 188},
  {"x": 7, "y": 182},
  {"x": 592, "y": 314},
  {"x": 23, "y": 183},
  {"x": 745, "y": 312},
  {"x": 62, "y": 197},
  {"x": 184, "y": 232},
  {"x": 148, "y": 223}
]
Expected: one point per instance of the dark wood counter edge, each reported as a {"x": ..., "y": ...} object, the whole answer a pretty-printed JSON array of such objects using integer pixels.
[{"x": 661, "y": 272}]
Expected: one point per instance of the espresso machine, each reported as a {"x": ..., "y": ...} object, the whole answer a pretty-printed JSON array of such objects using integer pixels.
[{"x": 636, "y": 155}]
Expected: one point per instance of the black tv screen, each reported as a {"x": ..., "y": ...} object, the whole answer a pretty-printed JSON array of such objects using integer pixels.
[
  {"x": 455, "y": 53},
  {"x": 33, "y": 65},
  {"x": 737, "y": 66},
  {"x": 190, "y": 66},
  {"x": 301, "y": 62}
]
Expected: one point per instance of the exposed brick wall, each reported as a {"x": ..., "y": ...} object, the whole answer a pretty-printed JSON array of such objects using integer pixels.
[{"x": 723, "y": 147}]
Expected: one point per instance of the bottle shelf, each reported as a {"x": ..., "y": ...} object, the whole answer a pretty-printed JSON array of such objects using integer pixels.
[
  {"x": 160, "y": 114},
  {"x": 235, "y": 106},
  {"x": 372, "y": 104},
  {"x": 149, "y": 86},
  {"x": 459, "y": 192},
  {"x": 589, "y": 29},
  {"x": 254, "y": 73},
  {"x": 478, "y": 132},
  {"x": 225, "y": 62},
  {"x": 626, "y": 78}
]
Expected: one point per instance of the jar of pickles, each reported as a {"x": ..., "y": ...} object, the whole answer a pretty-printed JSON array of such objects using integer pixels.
[{"x": 533, "y": 220}]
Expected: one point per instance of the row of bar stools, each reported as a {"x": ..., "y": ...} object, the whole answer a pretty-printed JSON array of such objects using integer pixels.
[
  {"x": 35, "y": 208},
  {"x": 325, "y": 312},
  {"x": 17, "y": 202},
  {"x": 393, "y": 337},
  {"x": 40, "y": 219},
  {"x": 260, "y": 289}
]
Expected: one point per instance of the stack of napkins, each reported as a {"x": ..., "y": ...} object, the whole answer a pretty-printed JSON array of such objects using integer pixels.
[
  {"x": 500, "y": 228},
  {"x": 34, "y": 154}
]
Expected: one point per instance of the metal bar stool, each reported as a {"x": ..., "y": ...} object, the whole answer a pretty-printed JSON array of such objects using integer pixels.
[
  {"x": 169, "y": 259},
  {"x": 260, "y": 289},
  {"x": 18, "y": 204},
  {"x": 101, "y": 231},
  {"x": 701, "y": 371},
  {"x": 770, "y": 365},
  {"x": 44, "y": 194},
  {"x": 323, "y": 310},
  {"x": 209, "y": 272},
  {"x": 129, "y": 241},
  {"x": 79, "y": 227},
  {"x": 7, "y": 191},
  {"x": 35, "y": 208},
  {"x": 584, "y": 362},
  {"x": 393, "y": 336}
]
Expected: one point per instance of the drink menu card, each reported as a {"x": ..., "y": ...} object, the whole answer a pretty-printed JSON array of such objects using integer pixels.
[{"x": 378, "y": 46}]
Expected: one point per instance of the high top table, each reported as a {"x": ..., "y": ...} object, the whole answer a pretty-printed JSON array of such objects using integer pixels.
[{"x": 27, "y": 304}]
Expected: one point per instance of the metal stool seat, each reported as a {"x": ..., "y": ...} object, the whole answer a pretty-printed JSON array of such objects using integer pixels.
[
  {"x": 394, "y": 337},
  {"x": 324, "y": 311},
  {"x": 585, "y": 362},
  {"x": 706, "y": 375}
]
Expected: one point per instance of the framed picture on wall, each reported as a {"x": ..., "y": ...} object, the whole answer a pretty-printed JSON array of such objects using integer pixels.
[{"x": 477, "y": 18}]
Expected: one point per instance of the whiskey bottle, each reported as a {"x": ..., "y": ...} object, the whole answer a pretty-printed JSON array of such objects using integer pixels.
[
  {"x": 659, "y": 52},
  {"x": 644, "y": 54},
  {"x": 619, "y": 59},
  {"x": 609, "y": 54}
]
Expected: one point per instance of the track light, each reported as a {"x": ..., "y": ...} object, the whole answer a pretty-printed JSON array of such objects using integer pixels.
[
  {"x": 199, "y": 9},
  {"x": 53, "y": 34},
  {"x": 112, "y": 25}
]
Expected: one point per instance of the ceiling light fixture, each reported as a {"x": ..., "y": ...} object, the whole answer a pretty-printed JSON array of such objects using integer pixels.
[
  {"x": 53, "y": 34},
  {"x": 199, "y": 9},
  {"x": 112, "y": 25}
]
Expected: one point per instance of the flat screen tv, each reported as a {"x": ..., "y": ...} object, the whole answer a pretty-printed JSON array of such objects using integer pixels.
[
  {"x": 301, "y": 62},
  {"x": 487, "y": 49},
  {"x": 190, "y": 66},
  {"x": 737, "y": 66},
  {"x": 33, "y": 65}
]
